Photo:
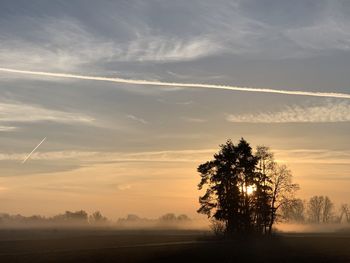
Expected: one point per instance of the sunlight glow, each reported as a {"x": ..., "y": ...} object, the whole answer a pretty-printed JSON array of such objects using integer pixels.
[{"x": 251, "y": 189}]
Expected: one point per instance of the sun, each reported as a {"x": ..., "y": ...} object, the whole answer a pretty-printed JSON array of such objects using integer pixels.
[{"x": 250, "y": 189}]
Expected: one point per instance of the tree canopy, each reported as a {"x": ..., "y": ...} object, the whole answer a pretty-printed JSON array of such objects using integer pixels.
[{"x": 244, "y": 189}]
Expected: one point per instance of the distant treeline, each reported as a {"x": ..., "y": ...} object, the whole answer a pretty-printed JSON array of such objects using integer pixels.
[
  {"x": 83, "y": 219},
  {"x": 316, "y": 210}
]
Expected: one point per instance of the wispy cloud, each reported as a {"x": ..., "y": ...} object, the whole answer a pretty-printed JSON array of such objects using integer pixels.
[
  {"x": 123, "y": 187},
  {"x": 331, "y": 33},
  {"x": 68, "y": 44},
  {"x": 15, "y": 112},
  {"x": 59, "y": 44},
  {"x": 185, "y": 103},
  {"x": 7, "y": 128},
  {"x": 194, "y": 120},
  {"x": 331, "y": 112},
  {"x": 178, "y": 84},
  {"x": 163, "y": 48},
  {"x": 313, "y": 156},
  {"x": 54, "y": 155},
  {"x": 101, "y": 157},
  {"x": 321, "y": 156},
  {"x": 137, "y": 119}
]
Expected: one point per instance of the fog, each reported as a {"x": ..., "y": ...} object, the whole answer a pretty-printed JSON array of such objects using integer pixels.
[
  {"x": 170, "y": 221},
  {"x": 312, "y": 228},
  {"x": 80, "y": 219}
]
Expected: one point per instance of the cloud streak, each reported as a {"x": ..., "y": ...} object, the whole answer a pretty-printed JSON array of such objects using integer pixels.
[
  {"x": 338, "y": 112},
  {"x": 195, "y": 156},
  {"x": 17, "y": 112},
  {"x": 28, "y": 156},
  {"x": 178, "y": 84},
  {"x": 162, "y": 48},
  {"x": 137, "y": 119},
  {"x": 7, "y": 128}
]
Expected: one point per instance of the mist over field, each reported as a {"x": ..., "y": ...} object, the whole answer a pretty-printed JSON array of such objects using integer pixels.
[
  {"x": 77, "y": 220},
  {"x": 81, "y": 220},
  {"x": 312, "y": 228}
]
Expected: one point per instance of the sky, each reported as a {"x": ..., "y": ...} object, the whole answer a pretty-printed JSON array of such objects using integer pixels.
[{"x": 92, "y": 77}]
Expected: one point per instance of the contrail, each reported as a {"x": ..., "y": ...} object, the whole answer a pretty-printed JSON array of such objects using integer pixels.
[
  {"x": 177, "y": 84},
  {"x": 33, "y": 150}
]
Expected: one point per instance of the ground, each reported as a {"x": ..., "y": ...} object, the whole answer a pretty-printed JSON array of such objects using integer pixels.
[{"x": 52, "y": 245}]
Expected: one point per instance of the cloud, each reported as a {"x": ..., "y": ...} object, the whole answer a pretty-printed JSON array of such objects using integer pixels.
[
  {"x": 86, "y": 158},
  {"x": 7, "y": 128},
  {"x": 101, "y": 157},
  {"x": 59, "y": 44},
  {"x": 313, "y": 156},
  {"x": 331, "y": 112},
  {"x": 48, "y": 156},
  {"x": 251, "y": 30},
  {"x": 163, "y": 48},
  {"x": 178, "y": 84},
  {"x": 193, "y": 120},
  {"x": 62, "y": 42},
  {"x": 16, "y": 112},
  {"x": 69, "y": 44},
  {"x": 329, "y": 32},
  {"x": 323, "y": 36},
  {"x": 185, "y": 103},
  {"x": 137, "y": 119},
  {"x": 123, "y": 187}
]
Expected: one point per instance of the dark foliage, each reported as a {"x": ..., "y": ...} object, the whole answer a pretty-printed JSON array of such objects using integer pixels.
[{"x": 244, "y": 190}]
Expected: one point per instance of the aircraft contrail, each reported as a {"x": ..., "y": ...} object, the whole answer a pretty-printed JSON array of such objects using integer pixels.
[
  {"x": 25, "y": 159},
  {"x": 178, "y": 84}
]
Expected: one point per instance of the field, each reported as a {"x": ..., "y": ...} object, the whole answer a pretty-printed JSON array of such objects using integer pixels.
[{"x": 52, "y": 245}]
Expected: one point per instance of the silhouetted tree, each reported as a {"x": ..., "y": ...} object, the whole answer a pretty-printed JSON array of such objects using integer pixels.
[
  {"x": 228, "y": 177},
  {"x": 327, "y": 211},
  {"x": 244, "y": 190},
  {"x": 183, "y": 218},
  {"x": 132, "y": 217},
  {"x": 277, "y": 186},
  {"x": 320, "y": 209},
  {"x": 283, "y": 190},
  {"x": 263, "y": 191},
  {"x": 315, "y": 206},
  {"x": 218, "y": 227},
  {"x": 344, "y": 212},
  {"x": 97, "y": 218},
  {"x": 78, "y": 217},
  {"x": 133, "y": 221},
  {"x": 293, "y": 211},
  {"x": 170, "y": 217}
]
